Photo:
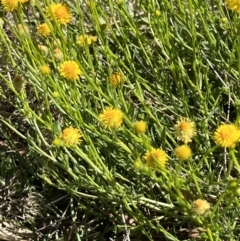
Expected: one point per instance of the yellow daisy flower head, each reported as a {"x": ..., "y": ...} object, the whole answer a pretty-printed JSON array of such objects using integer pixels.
[
  {"x": 23, "y": 29},
  {"x": 44, "y": 69},
  {"x": 71, "y": 136},
  {"x": 84, "y": 39},
  {"x": 227, "y": 135},
  {"x": 183, "y": 152},
  {"x": 116, "y": 79},
  {"x": 70, "y": 70},
  {"x": 18, "y": 82},
  {"x": 111, "y": 117},
  {"x": 156, "y": 158},
  {"x": 58, "y": 54},
  {"x": 185, "y": 130},
  {"x": 158, "y": 13},
  {"x": 10, "y": 5},
  {"x": 93, "y": 39},
  {"x": 91, "y": 4},
  {"x": 233, "y": 5},
  {"x": 43, "y": 30},
  {"x": 56, "y": 43},
  {"x": 59, "y": 12},
  {"x": 200, "y": 207},
  {"x": 140, "y": 127},
  {"x": 43, "y": 49}
]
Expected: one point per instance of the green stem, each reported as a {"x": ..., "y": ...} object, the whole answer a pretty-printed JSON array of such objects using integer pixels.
[{"x": 234, "y": 159}]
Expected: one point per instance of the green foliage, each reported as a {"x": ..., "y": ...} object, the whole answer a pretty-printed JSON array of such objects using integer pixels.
[{"x": 178, "y": 59}]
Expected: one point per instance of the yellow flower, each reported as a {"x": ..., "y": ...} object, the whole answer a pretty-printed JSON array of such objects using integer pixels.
[
  {"x": 91, "y": 4},
  {"x": 70, "y": 70},
  {"x": 71, "y": 136},
  {"x": 18, "y": 83},
  {"x": 59, "y": 12},
  {"x": 116, "y": 79},
  {"x": 10, "y": 5},
  {"x": 183, "y": 152},
  {"x": 200, "y": 207},
  {"x": 111, "y": 117},
  {"x": 23, "y": 29},
  {"x": 227, "y": 135},
  {"x": 140, "y": 127},
  {"x": 84, "y": 39},
  {"x": 58, "y": 54},
  {"x": 43, "y": 30},
  {"x": 156, "y": 158},
  {"x": 56, "y": 43},
  {"x": 158, "y": 13},
  {"x": 233, "y": 5},
  {"x": 45, "y": 69},
  {"x": 43, "y": 49},
  {"x": 93, "y": 39},
  {"x": 185, "y": 130}
]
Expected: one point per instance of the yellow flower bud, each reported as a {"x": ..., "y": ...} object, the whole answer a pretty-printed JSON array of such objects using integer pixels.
[
  {"x": 18, "y": 82},
  {"x": 200, "y": 207},
  {"x": 183, "y": 152},
  {"x": 158, "y": 13},
  {"x": 140, "y": 127}
]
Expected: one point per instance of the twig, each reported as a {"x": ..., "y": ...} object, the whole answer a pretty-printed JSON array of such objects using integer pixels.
[{"x": 125, "y": 237}]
